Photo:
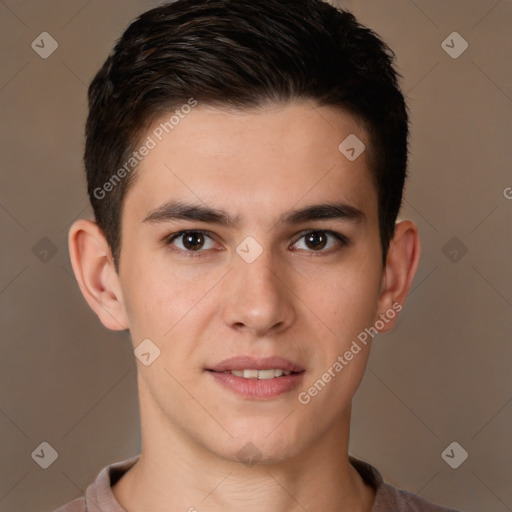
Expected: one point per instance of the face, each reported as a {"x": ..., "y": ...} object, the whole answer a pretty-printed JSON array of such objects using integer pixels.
[{"x": 250, "y": 242}]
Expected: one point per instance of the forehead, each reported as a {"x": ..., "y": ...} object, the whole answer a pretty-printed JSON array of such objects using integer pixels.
[{"x": 255, "y": 162}]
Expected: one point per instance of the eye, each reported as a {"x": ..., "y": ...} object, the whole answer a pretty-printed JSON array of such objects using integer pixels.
[
  {"x": 321, "y": 241},
  {"x": 191, "y": 241}
]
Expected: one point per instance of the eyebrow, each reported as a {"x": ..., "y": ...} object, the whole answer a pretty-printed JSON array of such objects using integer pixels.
[{"x": 177, "y": 210}]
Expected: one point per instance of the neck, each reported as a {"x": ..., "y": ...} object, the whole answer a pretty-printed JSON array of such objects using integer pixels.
[{"x": 176, "y": 472}]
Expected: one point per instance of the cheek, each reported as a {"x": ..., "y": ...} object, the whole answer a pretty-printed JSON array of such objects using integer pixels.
[
  {"x": 147, "y": 298},
  {"x": 162, "y": 296},
  {"x": 344, "y": 298}
]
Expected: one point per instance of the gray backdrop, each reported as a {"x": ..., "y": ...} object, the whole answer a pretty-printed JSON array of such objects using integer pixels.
[{"x": 441, "y": 377}]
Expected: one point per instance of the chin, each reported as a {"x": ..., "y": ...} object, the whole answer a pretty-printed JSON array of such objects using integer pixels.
[
  {"x": 250, "y": 454},
  {"x": 264, "y": 442}
]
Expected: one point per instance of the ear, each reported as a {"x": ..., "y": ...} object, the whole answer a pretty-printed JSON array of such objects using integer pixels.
[
  {"x": 401, "y": 265},
  {"x": 95, "y": 273}
]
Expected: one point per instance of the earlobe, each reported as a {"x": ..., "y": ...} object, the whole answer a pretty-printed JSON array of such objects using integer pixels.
[
  {"x": 401, "y": 265},
  {"x": 95, "y": 273}
]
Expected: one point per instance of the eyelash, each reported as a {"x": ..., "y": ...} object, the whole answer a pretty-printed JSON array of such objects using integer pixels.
[{"x": 342, "y": 239}]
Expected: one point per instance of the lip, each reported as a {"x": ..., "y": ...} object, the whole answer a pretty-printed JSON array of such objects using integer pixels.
[
  {"x": 253, "y": 363},
  {"x": 257, "y": 389}
]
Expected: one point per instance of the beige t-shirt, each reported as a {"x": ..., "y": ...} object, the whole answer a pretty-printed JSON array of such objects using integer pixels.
[{"x": 99, "y": 497}]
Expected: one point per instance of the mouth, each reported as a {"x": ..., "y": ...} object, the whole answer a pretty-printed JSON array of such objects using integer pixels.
[
  {"x": 257, "y": 378},
  {"x": 250, "y": 373},
  {"x": 249, "y": 367}
]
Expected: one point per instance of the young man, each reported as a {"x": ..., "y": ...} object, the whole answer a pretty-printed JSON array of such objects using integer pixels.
[{"x": 245, "y": 162}]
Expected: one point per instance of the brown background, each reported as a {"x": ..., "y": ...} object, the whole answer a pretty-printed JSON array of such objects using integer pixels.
[{"x": 443, "y": 375}]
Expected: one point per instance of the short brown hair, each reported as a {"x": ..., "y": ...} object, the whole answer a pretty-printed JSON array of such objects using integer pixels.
[{"x": 243, "y": 54}]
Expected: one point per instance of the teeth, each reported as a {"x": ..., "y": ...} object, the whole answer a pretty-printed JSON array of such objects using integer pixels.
[
  {"x": 265, "y": 374},
  {"x": 260, "y": 374}
]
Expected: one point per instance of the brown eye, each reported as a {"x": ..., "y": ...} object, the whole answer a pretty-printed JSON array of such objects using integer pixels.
[
  {"x": 316, "y": 240},
  {"x": 321, "y": 241},
  {"x": 191, "y": 241}
]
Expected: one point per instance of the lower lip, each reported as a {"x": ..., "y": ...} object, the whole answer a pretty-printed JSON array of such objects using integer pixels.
[{"x": 258, "y": 389}]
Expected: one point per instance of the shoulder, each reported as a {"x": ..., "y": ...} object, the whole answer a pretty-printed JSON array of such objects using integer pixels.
[
  {"x": 77, "y": 505},
  {"x": 410, "y": 502},
  {"x": 391, "y": 499},
  {"x": 98, "y": 495}
]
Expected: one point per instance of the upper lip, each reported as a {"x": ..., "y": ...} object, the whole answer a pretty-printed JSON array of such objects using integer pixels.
[{"x": 253, "y": 363}]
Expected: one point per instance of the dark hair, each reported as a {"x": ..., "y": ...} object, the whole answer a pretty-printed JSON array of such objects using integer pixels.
[{"x": 242, "y": 54}]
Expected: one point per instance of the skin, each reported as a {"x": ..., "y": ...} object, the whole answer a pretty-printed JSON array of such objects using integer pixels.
[{"x": 306, "y": 303}]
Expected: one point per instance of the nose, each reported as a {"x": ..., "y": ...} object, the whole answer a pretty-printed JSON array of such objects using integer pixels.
[{"x": 258, "y": 300}]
